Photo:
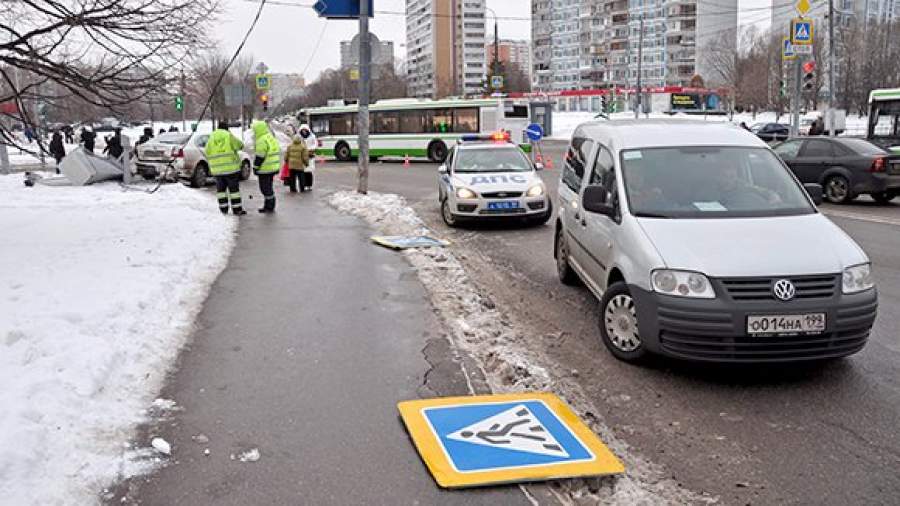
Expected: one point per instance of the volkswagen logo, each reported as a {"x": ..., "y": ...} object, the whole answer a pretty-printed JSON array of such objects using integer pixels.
[
  {"x": 783, "y": 289},
  {"x": 501, "y": 195}
]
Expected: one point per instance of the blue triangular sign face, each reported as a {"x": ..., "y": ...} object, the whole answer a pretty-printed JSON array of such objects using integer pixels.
[{"x": 802, "y": 32}]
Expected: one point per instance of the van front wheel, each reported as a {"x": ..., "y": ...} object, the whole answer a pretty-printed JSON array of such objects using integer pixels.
[{"x": 619, "y": 324}]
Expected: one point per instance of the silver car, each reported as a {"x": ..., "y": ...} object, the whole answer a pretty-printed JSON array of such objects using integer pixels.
[
  {"x": 185, "y": 151},
  {"x": 701, "y": 245}
]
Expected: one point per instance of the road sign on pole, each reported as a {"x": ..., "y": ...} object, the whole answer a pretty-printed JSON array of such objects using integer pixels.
[
  {"x": 802, "y": 7},
  {"x": 534, "y": 132},
  {"x": 263, "y": 82},
  {"x": 341, "y": 9},
  {"x": 481, "y": 440},
  {"x": 801, "y": 32},
  {"x": 787, "y": 50},
  {"x": 497, "y": 82}
]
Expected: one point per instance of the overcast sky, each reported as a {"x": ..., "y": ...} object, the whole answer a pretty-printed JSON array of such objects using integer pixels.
[{"x": 285, "y": 37}]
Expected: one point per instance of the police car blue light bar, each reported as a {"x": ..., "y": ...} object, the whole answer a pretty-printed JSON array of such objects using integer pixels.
[{"x": 501, "y": 136}]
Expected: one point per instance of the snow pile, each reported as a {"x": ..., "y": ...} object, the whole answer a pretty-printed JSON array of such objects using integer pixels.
[
  {"x": 99, "y": 288},
  {"x": 483, "y": 331}
]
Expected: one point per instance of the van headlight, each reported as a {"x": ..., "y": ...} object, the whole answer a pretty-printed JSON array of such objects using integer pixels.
[
  {"x": 858, "y": 278},
  {"x": 465, "y": 193},
  {"x": 682, "y": 284},
  {"x": 535, "y": 191}
]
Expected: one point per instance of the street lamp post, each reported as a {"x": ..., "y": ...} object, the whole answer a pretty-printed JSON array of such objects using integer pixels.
[{"x": 495, "y": 61}]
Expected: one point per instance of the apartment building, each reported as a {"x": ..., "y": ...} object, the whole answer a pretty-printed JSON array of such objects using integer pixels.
[
  {"x": 583, "y": 44},
  {"x": 510, "y": 52},
  {"x": 445, "y": 47},
  {"x": 382, "y": 52}
]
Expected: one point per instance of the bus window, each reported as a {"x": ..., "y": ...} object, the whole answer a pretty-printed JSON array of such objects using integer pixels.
[
  {"x": 412, "y": 122},
  {"x": 515, "y": 111},
  {"x": 439, "y": 120},
  {"x": 341, "y": 124},
  {"x": 465, "y": 121},
  {"x": 319, "y": 125},
  {"x": 386, "y": 122}
]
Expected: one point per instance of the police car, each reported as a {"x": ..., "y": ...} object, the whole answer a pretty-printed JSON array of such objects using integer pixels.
[{"x": 487, "y": 176}]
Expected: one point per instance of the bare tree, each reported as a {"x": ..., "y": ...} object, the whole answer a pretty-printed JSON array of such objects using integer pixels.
[{"x": 105, "y": 53}]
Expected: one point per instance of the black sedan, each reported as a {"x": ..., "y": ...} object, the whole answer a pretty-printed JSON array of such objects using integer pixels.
[
  {"x": 771, "y": 131},
  {"x": 845, "y": 167}
]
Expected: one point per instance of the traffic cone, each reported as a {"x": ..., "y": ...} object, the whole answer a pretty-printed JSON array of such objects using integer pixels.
[{"x": 406, "y": 160}]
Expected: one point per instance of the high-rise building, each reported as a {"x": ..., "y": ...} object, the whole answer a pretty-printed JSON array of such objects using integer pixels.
[
  {"x": 510, "y": 52},
  {"x": 582, "y": 44},
  {"x": 445, "y": 47},
  {"x": 382, "y": 52},
  {"x": 284, "y": 86}
]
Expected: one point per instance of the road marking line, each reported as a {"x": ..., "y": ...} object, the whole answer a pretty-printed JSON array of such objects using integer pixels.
[{"x": 862, "y": 217}]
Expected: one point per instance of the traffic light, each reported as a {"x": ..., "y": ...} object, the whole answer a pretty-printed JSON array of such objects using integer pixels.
[
  {"x": 809, "y": 75},
  {"x": 603, "y": 104},
  {"x": 265, "y": 102},
  {"x": 782, "y": 88},
  {"x": 179, "y": 103}
]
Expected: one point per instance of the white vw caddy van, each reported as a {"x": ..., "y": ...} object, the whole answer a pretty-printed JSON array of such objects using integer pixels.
[{"x": 701, "y": 245}]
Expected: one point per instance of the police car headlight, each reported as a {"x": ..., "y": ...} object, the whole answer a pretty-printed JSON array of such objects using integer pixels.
[
  {"x": 858, "y": 278},
  {"x": 535, "y": 191},
  {"x": 682, "y": 284},
  {"x": 465, "y": 193}
]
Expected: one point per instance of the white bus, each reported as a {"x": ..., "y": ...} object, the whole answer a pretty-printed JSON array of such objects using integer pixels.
[
  {"x": 415, "y": 127},
  {"x": 884, "y": 118}
]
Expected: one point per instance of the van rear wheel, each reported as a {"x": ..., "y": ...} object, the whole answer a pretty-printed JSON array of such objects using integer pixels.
[{"x": 619, "y": 324}]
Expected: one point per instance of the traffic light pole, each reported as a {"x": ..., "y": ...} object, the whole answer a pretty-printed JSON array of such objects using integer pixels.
[
  {"x": 831, "y": 66},
  {"x": 795, "y": 100},
  {"x": 183, "y": 124},
  {"x": 363, "y": 120}
]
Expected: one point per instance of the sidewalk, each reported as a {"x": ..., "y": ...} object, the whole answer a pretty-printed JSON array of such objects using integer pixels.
[{"x": 308, "y": 340}]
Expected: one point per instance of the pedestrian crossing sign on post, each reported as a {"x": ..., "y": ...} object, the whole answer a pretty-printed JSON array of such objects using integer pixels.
[
  {"x": 492, "y": 439},
  {"x": 787, "y": 50},
  {"x": 263, "y": 82},
  {"x": 801, "y": 32}
]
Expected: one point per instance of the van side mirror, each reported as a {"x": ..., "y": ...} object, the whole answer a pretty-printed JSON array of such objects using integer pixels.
[
  {"x": 538, "y": 166},
  {"x": 442, "y": 169},
  {"x": 596, "y": 200},
  {"x": 815, "y": 192}
]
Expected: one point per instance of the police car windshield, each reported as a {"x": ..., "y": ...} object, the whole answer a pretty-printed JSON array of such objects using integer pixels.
[
  {"x": 710, "y": 182},
  {"x": 491, "y": 160}
]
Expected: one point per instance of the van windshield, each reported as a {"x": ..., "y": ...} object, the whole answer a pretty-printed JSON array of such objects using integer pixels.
[{"x": 710, "y": 182}]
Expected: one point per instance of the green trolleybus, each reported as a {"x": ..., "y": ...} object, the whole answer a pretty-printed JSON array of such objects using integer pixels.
[
  {"x": 884, "y": 118},
  {"x": 415, "y": 127}
]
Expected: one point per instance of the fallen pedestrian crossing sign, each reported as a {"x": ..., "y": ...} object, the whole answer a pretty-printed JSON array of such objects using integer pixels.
[{"x": 491, "y": 439}]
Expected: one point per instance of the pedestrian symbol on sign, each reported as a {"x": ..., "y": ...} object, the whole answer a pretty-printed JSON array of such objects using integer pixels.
[
  {"x": 801, "y": 31},
  {"x": 514, "y": 429}
]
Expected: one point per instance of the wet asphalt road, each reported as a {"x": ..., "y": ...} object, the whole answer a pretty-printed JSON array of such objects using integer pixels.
[{"x": 815, "y": 433}]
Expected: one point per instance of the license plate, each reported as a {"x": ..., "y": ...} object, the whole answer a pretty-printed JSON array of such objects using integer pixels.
[
  {"x": 786, "y": 324},
  {"x": 504, "y": 204}
]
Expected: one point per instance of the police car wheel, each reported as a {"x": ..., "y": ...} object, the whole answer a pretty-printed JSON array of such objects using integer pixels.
[
  {"x": 567, "y": 276},
  {"x": 449, "y": 218},
  {"x": 198, "y": 180},
  {"x": 619, "y": 324}
]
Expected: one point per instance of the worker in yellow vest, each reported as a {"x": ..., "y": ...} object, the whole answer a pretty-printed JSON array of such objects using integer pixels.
[
  {"x": 225, "y": 165},
  {"x": 267, "y": 163}
]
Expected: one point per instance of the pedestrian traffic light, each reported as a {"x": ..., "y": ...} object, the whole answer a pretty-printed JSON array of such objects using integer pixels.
[
  {"x": 603, "y": 104},
  {"x": 809, "y": 75},
  {"x": 782, "y": 88},
  {"x": 179, "y": 103},
  {"x": 265, "y": 102}
]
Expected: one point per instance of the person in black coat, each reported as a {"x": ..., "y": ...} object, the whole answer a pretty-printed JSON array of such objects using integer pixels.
[
  {"x": 148, "y": 134},
  {"x": 87, "y": 139},
  {"x": 69, "y": 132},
  {"x": 114, "y": 145},
  {"x": 57, "y": 149}
]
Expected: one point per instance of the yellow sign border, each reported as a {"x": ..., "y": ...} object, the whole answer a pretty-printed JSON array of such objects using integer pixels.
[
  {"x": 785, "y": 57},
  {"x": 432, "y": 452},
  {"x": 812, "y": 32}
]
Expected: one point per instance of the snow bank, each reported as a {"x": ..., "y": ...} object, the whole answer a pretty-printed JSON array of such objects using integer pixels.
[
  {"x": 476, "y": 325},
  {"x": 98, "y": 291}
]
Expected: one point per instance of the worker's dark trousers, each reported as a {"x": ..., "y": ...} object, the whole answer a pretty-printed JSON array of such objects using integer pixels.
[
  {"x": 265, "y": 187},
  {"x": 229, "y": 185}
]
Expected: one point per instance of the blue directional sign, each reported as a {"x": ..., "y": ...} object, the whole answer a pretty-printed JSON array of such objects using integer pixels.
[
  {"x": 534, "y": 132},
  {"x": 340, "y": 9},
  {"x": 801, "y": 31},
  {"x": 470, "y": 441}
]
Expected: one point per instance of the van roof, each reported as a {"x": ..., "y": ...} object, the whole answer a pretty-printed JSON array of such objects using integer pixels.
[{"x": 622, "y": 134}]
